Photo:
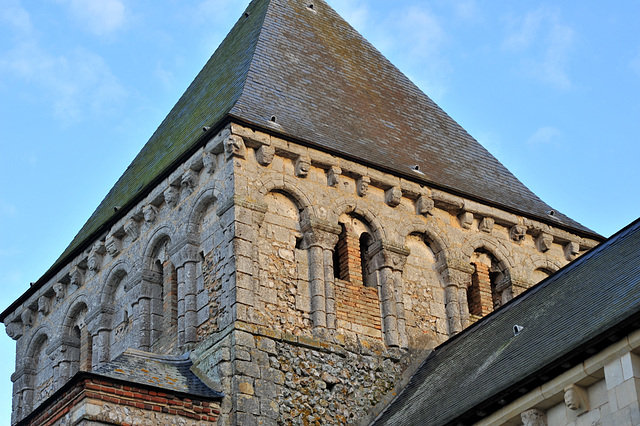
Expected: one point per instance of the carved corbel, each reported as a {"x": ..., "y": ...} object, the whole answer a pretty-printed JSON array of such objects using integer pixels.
[
  {"x": 113, "y": 245},
  {"x": 265, "y": 154},
  {"x": 44, "y": 305},
  {"x": 77, "y": 277},
  {"x": 28, "y": 318},
  {"x": 571, "y": 250},
  {"x": 171, "y": 196},
  {"x": 517, "y": 233},
  {"x": 188, "y": 182},
  {"x": 576, "y": 398},
  {"x": 60, "y": 289},
  {"x": 424, "y": 205},
  {"x": 303, "y": 166},
  {"x": 209, "y": 162},
  {"x": 362, "y": 185},
  {"x": 466, "y": 220},
  {"x": 333, "y": 176},
  {"x": 14, "y": 330},
  {"x": 150, "y": 212},
  {"x": 534, "y": 417},
  {"x": 544, "y": 241},
  {"x": 95, "y": 257},
  {"x": 486, "y": 224},
  {"x": 234, "y": 147},
  {"x": 393, "y": 196}
]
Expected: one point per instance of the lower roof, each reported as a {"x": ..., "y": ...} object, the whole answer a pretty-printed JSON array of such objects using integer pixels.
[{"x": 585, "y": 306}]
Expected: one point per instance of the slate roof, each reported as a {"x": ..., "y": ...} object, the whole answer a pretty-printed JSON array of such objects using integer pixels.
[
  {"x": 329, "y": 88},
  {"x": 169, "y": 373},
  {"x": 576, "y": 312}
]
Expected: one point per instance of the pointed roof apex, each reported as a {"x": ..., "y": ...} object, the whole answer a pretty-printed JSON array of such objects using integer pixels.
[{"x": 327, "y": 87}]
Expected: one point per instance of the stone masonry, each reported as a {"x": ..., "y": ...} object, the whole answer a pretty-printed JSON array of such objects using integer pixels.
[{"x": 233, "y": 257}]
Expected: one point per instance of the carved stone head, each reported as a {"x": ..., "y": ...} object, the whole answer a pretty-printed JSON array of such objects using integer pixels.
[
  {"x": 61, "y": 290},
  {"x": 544, "y": 242},
  {"x": 517, "y": 233},
  {"x": 576, "y": 398},
  {"x": 362, "y": 186},
  {"x": 171, "y": 196},
  {"x": 303, "y": 166},
  {"x": 234, "y": 147},
  {"x": 150, "y": 213}
]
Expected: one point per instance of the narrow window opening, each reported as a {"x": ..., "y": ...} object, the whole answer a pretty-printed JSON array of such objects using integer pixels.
[
  {"x": 299, "y": 243},
  {"x": 340, "y": 267},
  {"x": 273, "y": 118},
  {"x": 365, "y": 242}
]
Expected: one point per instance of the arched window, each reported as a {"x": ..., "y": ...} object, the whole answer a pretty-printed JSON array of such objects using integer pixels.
[
  {"x": 490, "y": 285},
  {"x": 350, "y": 256}
]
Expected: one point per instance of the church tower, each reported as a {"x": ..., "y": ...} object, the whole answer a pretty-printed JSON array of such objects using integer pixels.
[{"x": 298, "y": 233}]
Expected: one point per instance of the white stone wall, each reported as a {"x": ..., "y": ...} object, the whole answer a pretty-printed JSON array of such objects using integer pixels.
[{"x": 605, "y": 392}]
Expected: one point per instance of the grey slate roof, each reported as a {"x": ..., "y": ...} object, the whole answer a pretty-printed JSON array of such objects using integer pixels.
[
  {"x": 576, "y": 312},
  {"x": 169, "y": 373},
  {"x": 329, "y": 88}
]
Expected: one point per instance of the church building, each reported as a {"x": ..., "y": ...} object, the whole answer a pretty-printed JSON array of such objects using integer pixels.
[{"x": 308, "y": 239}]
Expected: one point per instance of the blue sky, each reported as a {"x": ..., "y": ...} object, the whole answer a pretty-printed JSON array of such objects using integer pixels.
[{"x": 550, "y": 88}]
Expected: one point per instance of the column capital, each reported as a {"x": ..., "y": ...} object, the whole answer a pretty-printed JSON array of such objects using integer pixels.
[
  {"x": 386, "y": 254},
  {"x": 320, "y": 233}
]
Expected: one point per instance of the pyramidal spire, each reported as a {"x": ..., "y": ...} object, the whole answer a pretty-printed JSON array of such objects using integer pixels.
[{"x": 295, "y": 68}]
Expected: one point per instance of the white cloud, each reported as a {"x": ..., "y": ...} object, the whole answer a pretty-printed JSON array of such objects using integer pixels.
[
  {"x": 416, "y": 37},
  {"x": 7, "y": 209},
  {"x": 544, "y": 136},
  {"x": 75, "y": 83},
  {"x": 355, "y": 12},
  {"x": 13, "y": 15},
  {"x": 467, "y": 10},
  {"x": 544, "y": 43},
  {"x": 98, "y": 16}
]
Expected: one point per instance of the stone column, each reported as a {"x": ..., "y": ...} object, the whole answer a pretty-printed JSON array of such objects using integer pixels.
[
  {"x": 320, "y": 239},
  {"x": 99, "y": 325},
  {"x": 184, "y": 256},
  {"x": 389, "y": 259},
  {"x": 65, "y": 354},
  {"x": 457, "y": 277},
  {"x": 147, "y": 290}
]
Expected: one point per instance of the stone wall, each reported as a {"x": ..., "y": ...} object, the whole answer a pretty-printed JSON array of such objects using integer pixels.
[
  {"x": 244, "y": 234},
  {"x": 95, "y": 401}
]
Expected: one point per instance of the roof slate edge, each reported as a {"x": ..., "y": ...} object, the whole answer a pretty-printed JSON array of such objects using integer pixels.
[
  {"x": 228, "y": 118},
  {"x": 70, "y": 252},
  {"x": 586, "y": 232}
]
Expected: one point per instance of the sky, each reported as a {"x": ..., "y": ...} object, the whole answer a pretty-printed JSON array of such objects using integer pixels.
[{"x": 550, "y": 88}]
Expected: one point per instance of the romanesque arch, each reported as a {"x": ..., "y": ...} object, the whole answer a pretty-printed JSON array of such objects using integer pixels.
[
  {"x": 110, "y": 320},
  {"x": 490, "y": 285},
  {"x": 287, "y": 185},
  {"x": 283, "y": 260},
  {"x": 76, "y": 339},
  {"x": 353, "y": 206},
  {"x": 540, "y": 268},
  {"x": 38, "y": 371},
  {"x": 157, "y": 302}
]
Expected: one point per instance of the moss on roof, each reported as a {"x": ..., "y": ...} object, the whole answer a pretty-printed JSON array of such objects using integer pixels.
[{"x": 331, "y": 89}]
